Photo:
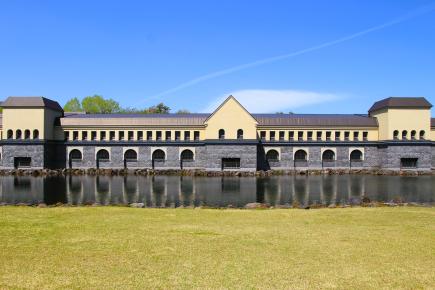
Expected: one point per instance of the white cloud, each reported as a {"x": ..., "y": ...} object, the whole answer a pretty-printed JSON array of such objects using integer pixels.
[{"x": 271, "y": 101}]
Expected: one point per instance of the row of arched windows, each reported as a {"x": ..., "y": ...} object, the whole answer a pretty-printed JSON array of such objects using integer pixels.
[
  {"x": 130, "y": 155},
  {"x": 221, "y": 134},
  {"x": 413, "y": 135},
  {"x": 301, "y": 155},
  {"x": 19, "y": 134}
]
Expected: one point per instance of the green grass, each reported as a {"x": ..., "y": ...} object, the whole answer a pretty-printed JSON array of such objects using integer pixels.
[{"x": 114, "y": 247}]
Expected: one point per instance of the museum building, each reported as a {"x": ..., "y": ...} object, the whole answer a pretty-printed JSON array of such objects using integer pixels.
[{"x": 397, "y": 133}]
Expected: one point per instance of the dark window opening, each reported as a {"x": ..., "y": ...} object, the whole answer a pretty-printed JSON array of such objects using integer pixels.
[
  {"x": 159, "y": 135},
  {"x": 168, "y": 136},
  {"x": 319, "y": 136},
  {"x": 149, "y": 135},
  {"x": 355, "y": 136},
  {"x": 221, "y": 134},
  {"x": 272, "y": 135},
  {"x": 300, "y": 155},
  {"x": 272, "y": 155},
  {"x": 230, "y": 163},
  {"x": 187, "y": 135},
  {"x": 159, "y": 155},
  {"x": 121, "y": 135},
  {"x": 103, "y": 155},
  {"x": 404, "y": 134},
  {"x": 18, "y": 134},
  {"x": 177, "y": 135},
  {"x": 130, "y": 135},
  {"x": 337, "y": 135},
  {"x": 263, "y": 135},
  {"x": 413, "y": 133},
  {"x": 75, "y": 135},
  {"x": 328, "y": 135},
  {"x": 422, "y": 133},
  {"x": 328, "y": 155},
  {"x": 35, "y": 134},
  {"x": 281, "y": 135},
  {"x": 196, "y": 135},
  {"x": 84, "y": 135},
  {"x": 26, "y": 134},
  {"x": 356, "y": 155},
  {"x": 66, "y": 135},
  {"x": 300, "y": 136},
  {"x": 408, "y": 162},
  {"x": 346, "y": 135},
  {"x": 112, "y": 135},
  {"x": 93, "y": 135},
  {"x": 75, "y": 155},
  {"x": 240, "y": 134},
  {"x": 310, "y": 135},
  {"x": 130, "y": 155},
  {"x": 103, "y": 135},
  {"x": 365, "y": 136},
  {"x": 11, "y": 134},
  {"x": 140, "y": 135},
  {"x": 396, "y": 134},
  {"x": 291, "y": 135},
  {"x": 22, "y": 162},
  {"x": 186, "y": 155}
]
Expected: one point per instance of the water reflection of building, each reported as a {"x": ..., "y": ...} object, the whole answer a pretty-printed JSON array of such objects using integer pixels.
[
  {"x": 74, "y": 190},
  {"x": 187, "y": 191},
  {"x": 102, "y": 190},
  {"x": 159, "y": 191},
  {"x": 130, "y": 189}
]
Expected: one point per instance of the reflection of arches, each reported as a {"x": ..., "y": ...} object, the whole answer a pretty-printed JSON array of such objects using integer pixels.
[
  {"x": 74, "y": 190},
  {"x": 272, "y": 155},
  {"x": 328, "y": 155},
  {"x": 102, "y": 189},
  {"x": 130, "y": 189},
  {"x": 301, "y": 155}
]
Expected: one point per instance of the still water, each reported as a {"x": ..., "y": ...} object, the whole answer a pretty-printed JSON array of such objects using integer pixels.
[{"x": 175, "y": 191}]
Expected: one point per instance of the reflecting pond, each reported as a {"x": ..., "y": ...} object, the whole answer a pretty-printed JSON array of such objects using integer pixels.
[{"x": 176, "y": 191}]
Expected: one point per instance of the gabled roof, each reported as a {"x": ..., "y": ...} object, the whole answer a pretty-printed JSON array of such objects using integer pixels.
[
  {"x": 32, "y": 102},
  {"x": 401, "y": 102},
  {"x": 230, "y": 97},
  {"x": 317, "y": 120}
]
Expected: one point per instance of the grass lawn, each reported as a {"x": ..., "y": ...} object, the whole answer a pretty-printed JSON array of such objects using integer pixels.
[{"x": 116, "y": 247}]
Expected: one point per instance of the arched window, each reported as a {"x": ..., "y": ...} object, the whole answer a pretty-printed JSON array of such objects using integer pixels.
[
  {"x": 356, "y": 155},
  {"x": 328, "y": 155},
  {"x": 240, "y": 134},
  {"x": 396, "y": 134},
  {"x": 75, "y": 154},
  {"x": 186, "y": 155},
  {"x": 103, "y": 154},
  {"x": 159, "y": 155},
  {"x": 27, "y": 134},
  {"x": 404, "y": 134},
  {"x": 35, "y": 134},
  {"x": 221, "y": 134},
  {"x": 300, "y": 155},
  {"x": 10, "y": 134},
  {"x": 272, "y": 155},
  {"x": 422, "y": 133},
  {"x": 18, "y": 134},
  {"x": 130, "y": 155},
  {"x": 413, "y": 133}
]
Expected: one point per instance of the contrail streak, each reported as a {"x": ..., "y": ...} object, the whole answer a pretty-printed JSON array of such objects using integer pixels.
[{"x": 417, "y": 12}]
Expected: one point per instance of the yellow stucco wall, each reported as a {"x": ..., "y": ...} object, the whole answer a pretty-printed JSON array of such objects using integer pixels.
[
  {"x": 231, "y": 116},
  {"x": 403, "y": 119}
]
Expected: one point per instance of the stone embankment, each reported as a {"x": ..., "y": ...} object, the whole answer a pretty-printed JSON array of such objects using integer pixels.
[{"x": 182, "y": 172}]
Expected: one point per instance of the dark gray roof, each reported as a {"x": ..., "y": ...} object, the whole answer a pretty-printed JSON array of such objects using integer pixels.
[
  {"x": 42, "y": 102},
  {"x": 134, "y": 119},
  {"x": 199, "y": 119},
  {"x": 320, "y": 120},
  {"x": 400, "y": 102}
]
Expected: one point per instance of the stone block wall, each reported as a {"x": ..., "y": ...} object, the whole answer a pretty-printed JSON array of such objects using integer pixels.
[
  {"x": 390, "y": 156},
  {"x": 36, "y": 152}
]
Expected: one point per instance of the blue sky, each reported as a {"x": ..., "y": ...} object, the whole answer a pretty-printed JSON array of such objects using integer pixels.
[{"x": 144, "y": 52}]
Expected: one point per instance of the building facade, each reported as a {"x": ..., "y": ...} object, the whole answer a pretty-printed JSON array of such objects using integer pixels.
[{"x": 397, "y": 133}]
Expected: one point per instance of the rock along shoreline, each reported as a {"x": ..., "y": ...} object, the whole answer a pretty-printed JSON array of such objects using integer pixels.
[{"x": 184, "y": 172}]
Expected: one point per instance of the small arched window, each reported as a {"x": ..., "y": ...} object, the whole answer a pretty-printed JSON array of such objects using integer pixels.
[
  {"x": 300, "y": 155},
  {"x": 159, "y": 155},
  {"x": 10, "y": 134},
  {"x": 356, "y": 155},
  {"x": 18, "y": 134},
  {"x": 272, "y": 155},
  {"x": 103, "y": 154},
  {"x": 328, "y": 155},
  {"x": 404, "y": 134},
  {"x": 35, "y": 134},
  {"x": 396, "y": 134},
  {"x": 221, "y": 134},
  {"x": 26, "y": 134},
  {"x": 186, "y": 155},
  {"x": 75, "y": 154},
  {"x": 240, "y": 134},
  {"x": 422, "y": 133},
  {"x": 413, "y": 133},
  {"x": 130, "y": 155}
]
